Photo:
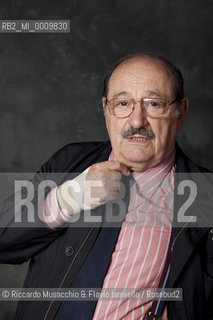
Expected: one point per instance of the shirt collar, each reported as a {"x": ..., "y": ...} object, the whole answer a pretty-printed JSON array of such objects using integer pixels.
[{"x": 152, "y": 178}]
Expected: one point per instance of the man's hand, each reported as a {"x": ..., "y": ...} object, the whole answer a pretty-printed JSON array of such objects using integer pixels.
[
  {"x": 102, "y": 182},
  {"x": 95, "y": 186}
]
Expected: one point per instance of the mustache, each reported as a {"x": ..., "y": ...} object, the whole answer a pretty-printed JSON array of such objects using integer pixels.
[{"x": 141, "y": 131}]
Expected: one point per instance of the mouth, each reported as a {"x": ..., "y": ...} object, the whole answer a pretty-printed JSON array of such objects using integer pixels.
[{"x": 138, "y": 139}]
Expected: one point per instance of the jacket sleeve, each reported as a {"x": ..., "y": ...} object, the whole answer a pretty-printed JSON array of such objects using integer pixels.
[
  {"x": 22, "y": 233},
  {"x": 20, "y": 241}
]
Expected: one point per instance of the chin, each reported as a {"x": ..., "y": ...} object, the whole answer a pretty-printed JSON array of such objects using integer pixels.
[
  {"x": 138, "y": 156},
  {"x": 135, "y": 162}
]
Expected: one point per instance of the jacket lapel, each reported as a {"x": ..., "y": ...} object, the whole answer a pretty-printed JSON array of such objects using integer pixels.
[{"x": 185, "y": 239}]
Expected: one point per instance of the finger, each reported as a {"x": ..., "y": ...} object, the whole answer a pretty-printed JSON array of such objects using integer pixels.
[
  {"x": 107, "y": 166},
  {"x": 102, "y": 194},
  {"x": 113, "y": 186},
  {"x": 112, "y": 196},
  {"x": 114, "y": 176},
  {"x": 105, "y": 176},
  {"x": 118, "y": 166},
  {"x": 124, "y": 169}
]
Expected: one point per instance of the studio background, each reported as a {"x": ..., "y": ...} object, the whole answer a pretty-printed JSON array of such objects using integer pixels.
[{"x": 51, "y": 84}]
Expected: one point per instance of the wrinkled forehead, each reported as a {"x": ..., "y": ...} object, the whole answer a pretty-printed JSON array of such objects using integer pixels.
[{"x": 142, "y": 76}]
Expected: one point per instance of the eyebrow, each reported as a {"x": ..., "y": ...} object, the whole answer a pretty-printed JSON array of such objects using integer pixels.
[
  {"x": 155, "y": 93},
  {"x": 122, "y": 93}
]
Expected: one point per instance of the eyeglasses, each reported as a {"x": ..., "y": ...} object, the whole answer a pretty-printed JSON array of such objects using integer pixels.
[{"x": 152, "y": 107}]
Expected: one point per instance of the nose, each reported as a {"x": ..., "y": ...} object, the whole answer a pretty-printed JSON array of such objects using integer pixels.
[{"x": 138, "y": 119}]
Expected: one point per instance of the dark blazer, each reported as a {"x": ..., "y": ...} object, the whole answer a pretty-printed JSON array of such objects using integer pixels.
[{"x": 57, "y": 255}]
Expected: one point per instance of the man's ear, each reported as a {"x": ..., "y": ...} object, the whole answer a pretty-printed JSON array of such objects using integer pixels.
[
  {"x": 104, "y": 104},
  {"x": 183, "y": 110}
]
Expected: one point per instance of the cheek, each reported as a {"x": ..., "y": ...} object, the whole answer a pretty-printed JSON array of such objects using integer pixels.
[
  {"x": 164, "y": 132},
  {"x": 115, "y": 129}
]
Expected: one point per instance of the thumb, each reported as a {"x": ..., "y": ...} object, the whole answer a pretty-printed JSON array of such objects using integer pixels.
[{"x": 124, "y": 169}]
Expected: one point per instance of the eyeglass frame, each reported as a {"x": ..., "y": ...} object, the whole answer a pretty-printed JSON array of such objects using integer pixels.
[{"x": 142, "y": 107}]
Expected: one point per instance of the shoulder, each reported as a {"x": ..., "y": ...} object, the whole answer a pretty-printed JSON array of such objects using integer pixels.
[
  {"x": 185, "y": 164},
  {"x": 76, "y": 156}
]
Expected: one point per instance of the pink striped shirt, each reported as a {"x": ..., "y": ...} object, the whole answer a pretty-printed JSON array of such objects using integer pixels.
[
  {"x": 139, "y": 256},
  {"x": 52, "y": 215}
]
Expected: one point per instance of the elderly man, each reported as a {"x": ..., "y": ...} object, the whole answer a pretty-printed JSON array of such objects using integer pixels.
[{"x": 144, "y": 108}]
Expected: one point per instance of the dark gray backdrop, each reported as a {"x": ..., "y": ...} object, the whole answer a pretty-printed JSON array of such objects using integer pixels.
[{"x": 51, "y": 84}]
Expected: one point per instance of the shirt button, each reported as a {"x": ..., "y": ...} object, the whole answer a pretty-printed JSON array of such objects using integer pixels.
[
  {"x": 211, "y": 230},
  {"x": 69, "y": 251}
]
